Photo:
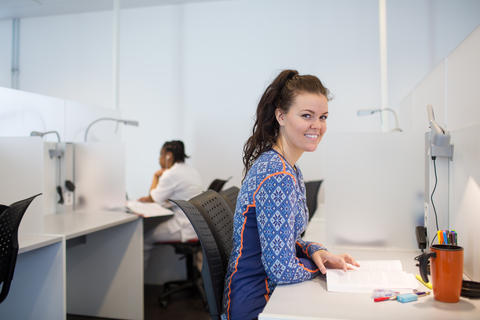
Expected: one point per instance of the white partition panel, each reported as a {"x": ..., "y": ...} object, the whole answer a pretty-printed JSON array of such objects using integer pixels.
[
  {"x": 22, "y": 112},
  {"x": 22, "y": 174},
  {"x": 78, "y": 116},
  {"x": 463, "y": 78},
  {"x": 99, "y": 175},
  {"x": 373, "y": 188},
  {"x": 465, "y": 196}
]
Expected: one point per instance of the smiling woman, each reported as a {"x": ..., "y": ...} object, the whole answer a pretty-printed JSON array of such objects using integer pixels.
[{"x": 271, "y": 211}]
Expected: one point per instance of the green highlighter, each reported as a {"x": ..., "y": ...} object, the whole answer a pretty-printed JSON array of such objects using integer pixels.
[{"x": 407, "y": 297}]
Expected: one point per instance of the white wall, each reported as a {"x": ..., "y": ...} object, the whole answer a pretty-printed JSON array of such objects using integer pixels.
[
  {"x": 183, "y": 67},
  {"x": 150, "y": 88},
  {"x": 69, "y": 57},
  {"x": 234, "y": 49},
  {"x": 420, "y": 35},
  {"x": 196, "y": 71},
  {"x": 5, "y": 52}
]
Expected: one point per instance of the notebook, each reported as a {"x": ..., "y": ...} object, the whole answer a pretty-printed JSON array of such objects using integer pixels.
[{"x": 372, "y": 274}]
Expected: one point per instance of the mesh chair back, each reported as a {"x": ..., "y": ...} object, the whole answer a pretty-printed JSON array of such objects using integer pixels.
[
  {"x": 230, "y": 195},
  {"x": 217, "y": 184},
  {"x": 213, "y": 272},
  {"x": 219, "y": 218},
  {"x": 10, "y": 218},
  {"x": 311, "y": 190}
]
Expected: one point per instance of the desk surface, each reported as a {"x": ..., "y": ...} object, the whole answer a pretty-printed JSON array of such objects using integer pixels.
[
  {"x": 80, "y": 223},
  {"x": 310, "y": 299},
  {"x": 28, "y": 242}
]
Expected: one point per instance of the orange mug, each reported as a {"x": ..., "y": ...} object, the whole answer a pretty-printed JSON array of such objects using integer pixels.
[{"x": 446, "y": 264}]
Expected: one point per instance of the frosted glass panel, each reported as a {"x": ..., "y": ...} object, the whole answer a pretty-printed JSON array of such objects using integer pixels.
[
  {"x": 373, "y": 188},
  {"x": 465, "y": 196},
  {"x": 21, "y": 172},
  {"x": 22, "y": 112},
  {"x": 99, "y": 175}
]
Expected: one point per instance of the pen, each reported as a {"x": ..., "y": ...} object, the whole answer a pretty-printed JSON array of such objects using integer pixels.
[
  {"x": 445, "y": 236},
  {"x": 454, "y": 236},
  {"x": 384, "y": 298}
]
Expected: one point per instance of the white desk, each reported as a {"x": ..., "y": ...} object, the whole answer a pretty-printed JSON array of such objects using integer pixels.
[
  {"x": 310, "y": 299},
  {"x": 38, "y": 287},
  {"x": 104, "y": 262}
]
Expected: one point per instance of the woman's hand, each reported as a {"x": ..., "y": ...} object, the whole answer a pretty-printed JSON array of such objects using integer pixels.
[
  {"x": 145, "y": 199},
  {"x": 159, "y": 173},
  {"x": 324, "y": 259}
]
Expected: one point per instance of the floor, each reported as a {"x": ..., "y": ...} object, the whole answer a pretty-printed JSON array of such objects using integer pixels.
[{"x": 184, "y": 306}]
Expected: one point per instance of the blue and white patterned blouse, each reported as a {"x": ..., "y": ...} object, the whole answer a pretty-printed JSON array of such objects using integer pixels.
[{"x": 270, "y": 216}]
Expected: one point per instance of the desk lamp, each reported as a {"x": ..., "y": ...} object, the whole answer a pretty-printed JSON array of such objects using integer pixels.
[
  {"x": 368, "y": 112},
  {"x": 54, "y": 153},
  {"x": 124, "y": 121}
]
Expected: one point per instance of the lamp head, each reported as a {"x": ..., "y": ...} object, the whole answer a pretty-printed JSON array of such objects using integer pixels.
[
  {"x": 366, "y": 112},
  {"x": 130, "y": 122},
  {"x": 37, "y": 134},
  {"x": 41, "y": 134}
]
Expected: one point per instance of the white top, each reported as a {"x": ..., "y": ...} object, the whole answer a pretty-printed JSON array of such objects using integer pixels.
[{"x": 180, "y": 182}]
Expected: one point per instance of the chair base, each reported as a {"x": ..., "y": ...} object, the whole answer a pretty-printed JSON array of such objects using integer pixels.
[{"x": 173, "y": 287}]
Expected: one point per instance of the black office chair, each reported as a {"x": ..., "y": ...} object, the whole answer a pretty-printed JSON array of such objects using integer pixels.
[
  {"x": 219, "y": 218},
  {"x": 218, "y": 184},
  {"x": 213, "y": 270},
  {"x": 230, "y": 195},
  {"x": 311, "y": 190},
  {"x": 10, "y": 218},
  {"x": 188, "y": 250}
]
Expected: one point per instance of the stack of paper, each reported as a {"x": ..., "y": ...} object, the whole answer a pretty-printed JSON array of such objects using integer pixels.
[
  {"x": 148, "y": 209},
  {"x": 372, "y": 274}
]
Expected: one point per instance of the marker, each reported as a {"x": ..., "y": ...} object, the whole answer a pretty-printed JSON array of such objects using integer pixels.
[
  {"x": 379, "y": 299},
  {"x": 454, "y": 236},
  {"x": 426, "y": 284},
  {"x": 440, "y": 236}
]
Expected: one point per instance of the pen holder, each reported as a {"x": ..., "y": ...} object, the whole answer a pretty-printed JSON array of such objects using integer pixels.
[{"x": 446, "y": 264}]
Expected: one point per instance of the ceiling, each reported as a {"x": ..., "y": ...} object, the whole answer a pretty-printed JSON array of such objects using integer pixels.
[{"x": 10, "y": 9}]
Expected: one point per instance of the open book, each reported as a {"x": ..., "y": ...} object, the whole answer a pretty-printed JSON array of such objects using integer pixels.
[
  {"x": 148, "y": 209},
  {"x": 372, "y": 274}
]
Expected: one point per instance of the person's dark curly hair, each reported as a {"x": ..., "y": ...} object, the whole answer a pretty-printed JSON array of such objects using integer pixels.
[{"x": 177, "y": 148}]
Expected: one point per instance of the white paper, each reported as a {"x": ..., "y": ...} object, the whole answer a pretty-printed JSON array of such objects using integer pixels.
[
  {"x": 148, "y": 209},
  {"x": 372, "y": 274}
]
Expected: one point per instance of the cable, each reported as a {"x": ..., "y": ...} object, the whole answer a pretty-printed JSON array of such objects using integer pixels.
[{"x": 431, "y": 196}]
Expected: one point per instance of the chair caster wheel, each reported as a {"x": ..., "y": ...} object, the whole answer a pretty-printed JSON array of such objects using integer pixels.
[{"x": 163, "y": 303}]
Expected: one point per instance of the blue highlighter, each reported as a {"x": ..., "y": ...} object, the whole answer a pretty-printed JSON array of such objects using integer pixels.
[{"x": 407, "y": 297}]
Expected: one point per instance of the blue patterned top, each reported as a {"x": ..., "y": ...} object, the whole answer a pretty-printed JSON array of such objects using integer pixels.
[{"x": 270, "y": 216}]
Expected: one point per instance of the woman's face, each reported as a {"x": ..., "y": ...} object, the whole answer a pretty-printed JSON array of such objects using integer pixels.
[
  {"x": 166, "y": 159},
  {"x": 305, "y": 123}
]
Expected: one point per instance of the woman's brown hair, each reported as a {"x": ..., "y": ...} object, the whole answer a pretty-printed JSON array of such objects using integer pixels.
[{"x": 279, "y": 94}]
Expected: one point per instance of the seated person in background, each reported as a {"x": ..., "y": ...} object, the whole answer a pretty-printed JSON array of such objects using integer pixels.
[{"x": 175, "y": 180}]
